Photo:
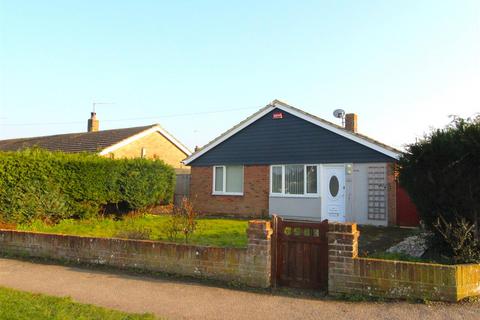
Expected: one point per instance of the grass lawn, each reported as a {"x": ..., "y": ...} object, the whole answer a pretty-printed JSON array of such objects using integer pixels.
[
  {"x": 17, "y": 305},
  {"x": 210, "y": 231},
  {"x": 374, "y": 241}
]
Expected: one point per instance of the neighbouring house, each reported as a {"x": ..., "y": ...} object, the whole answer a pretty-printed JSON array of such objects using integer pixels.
[
  {"x": 282, "y": 160},
  {"x": 151, "y": 142}
]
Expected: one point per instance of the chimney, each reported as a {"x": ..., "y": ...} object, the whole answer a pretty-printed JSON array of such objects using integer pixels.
[
  {"x": 351, "y": 122},
  {"x": 93, "y": 123}
]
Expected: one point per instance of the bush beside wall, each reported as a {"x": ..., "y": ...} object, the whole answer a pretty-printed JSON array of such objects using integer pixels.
[{"x": 37, "y": 184}]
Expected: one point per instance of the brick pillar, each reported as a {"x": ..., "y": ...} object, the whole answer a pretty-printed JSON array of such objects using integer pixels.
[
  {"x": 259, "y": 257},
  {"x": 342, "y": 249}
]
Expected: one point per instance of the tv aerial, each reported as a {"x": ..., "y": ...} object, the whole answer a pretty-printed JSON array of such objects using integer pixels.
[
  {"x": 340, "y": 113},
  {"x": 94, "y": 104}
]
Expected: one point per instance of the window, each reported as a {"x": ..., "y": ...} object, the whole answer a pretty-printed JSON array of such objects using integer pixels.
[
  {"x": 219, "y": 179},
  {"x": 294, "y": 180},
  {"x": 311, "y": 179},
  {"x": 277, "y": 179},
  {"x": 228, "y": 180},
  {"x": 333, "y": 186}
]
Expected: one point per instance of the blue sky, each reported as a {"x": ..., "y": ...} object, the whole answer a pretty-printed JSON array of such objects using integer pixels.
[{"x": 402, "y": 66}]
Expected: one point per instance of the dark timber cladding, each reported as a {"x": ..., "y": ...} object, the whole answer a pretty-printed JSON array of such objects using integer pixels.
[{"x": 286, "y": 141}]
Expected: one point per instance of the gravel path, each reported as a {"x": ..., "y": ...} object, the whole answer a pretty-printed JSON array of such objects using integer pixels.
[{"x": 190, "y": 300}]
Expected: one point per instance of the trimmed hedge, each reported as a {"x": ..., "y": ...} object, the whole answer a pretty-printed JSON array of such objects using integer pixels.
[
  {"x": 441, "y": 172},
  {"x": 38, "y": 184}
]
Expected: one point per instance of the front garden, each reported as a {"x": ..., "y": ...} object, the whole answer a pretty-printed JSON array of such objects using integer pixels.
[
  {"x": 88, "y": 195},
  {"x": 209, "y": 231}
]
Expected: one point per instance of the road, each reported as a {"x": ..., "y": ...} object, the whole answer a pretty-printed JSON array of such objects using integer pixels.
[{"x": 175, "y": 299}]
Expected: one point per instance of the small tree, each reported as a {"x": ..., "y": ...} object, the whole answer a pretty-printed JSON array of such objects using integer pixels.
[
  {"x": 441, "y": 173},
  {"x": 183, "y": 220}
]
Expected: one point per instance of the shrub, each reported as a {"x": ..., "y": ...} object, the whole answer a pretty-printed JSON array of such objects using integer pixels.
[
  {"x": 183, "y": 220},
  {"x": 459, "y": 240},
  {"x": 441, "y": 173},
  {"x": 50, "y": 186}
]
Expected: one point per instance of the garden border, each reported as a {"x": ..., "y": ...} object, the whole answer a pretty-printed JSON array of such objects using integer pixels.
[{"x": 250, "y": 266}]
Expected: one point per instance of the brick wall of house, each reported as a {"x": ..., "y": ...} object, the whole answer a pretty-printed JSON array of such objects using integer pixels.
[
  {"x": 250, "y": 266},
  {"x": 253, "y": 203},
  {"x": 157, "y": 147}
]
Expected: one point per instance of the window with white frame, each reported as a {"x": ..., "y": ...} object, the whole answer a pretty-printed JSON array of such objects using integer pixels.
[
  {"x": 228, "y": 180},
  {"x": 294, "y": 180}
]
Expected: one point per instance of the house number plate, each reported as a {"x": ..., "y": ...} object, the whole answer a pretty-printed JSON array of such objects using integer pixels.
[{"x": 333, "y": 210}]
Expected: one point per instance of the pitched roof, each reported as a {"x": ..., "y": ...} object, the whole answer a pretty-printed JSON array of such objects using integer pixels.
[
  {"x": 357, "y": 137},
  {"x": 98, "y": 141}
]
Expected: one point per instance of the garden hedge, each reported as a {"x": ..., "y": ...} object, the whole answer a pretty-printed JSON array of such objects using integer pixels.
[
  {"x": 38, "y": 184},
  {"x": 441, "y": 172}
]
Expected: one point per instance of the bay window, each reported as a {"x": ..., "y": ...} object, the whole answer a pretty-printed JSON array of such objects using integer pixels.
[
  {"x": 228, "y": 180},
  {"x": 294, "y": 180}
]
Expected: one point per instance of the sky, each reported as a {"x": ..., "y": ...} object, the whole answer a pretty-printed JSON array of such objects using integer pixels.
[{"x": 200, "y": 67}]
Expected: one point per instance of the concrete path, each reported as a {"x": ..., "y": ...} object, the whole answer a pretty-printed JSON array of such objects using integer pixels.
[{"x": 189, "y": 300}]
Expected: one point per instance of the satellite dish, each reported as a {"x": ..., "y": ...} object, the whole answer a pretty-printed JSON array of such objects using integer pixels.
[{"x": 339, "y": 113}]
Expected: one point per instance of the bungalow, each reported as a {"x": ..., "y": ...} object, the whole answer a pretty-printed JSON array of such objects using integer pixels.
[
  {"x": 282, "y": 160},
  {"x": 152, "y": 142}
]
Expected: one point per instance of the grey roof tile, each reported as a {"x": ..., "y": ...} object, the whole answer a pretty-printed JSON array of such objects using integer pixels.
[{"x": 74, "y": 142}]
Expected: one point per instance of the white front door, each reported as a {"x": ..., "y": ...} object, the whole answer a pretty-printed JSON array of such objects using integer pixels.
[{"x": 333, "y": 192}]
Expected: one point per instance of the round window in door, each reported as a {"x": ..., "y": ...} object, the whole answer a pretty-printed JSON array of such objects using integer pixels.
[{"x": 333, "y": 186}]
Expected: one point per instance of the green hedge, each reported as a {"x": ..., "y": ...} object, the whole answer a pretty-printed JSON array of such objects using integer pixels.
[
  {"x": 441, "y": 172},
  {"x": 37, "y": 184}
]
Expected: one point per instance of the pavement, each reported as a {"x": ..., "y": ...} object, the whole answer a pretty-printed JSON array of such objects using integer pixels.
[{"x": 181, "y": 299}]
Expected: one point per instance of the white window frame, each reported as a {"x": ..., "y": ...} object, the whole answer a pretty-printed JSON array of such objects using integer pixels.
[
  {"x": 288, "y": 195},
  {"x": 224, "y": 183}
]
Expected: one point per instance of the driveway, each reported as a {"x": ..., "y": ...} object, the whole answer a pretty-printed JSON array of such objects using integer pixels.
[{"x": 189, "y": 300}]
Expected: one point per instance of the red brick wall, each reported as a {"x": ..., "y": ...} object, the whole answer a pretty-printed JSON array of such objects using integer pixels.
[
  {"x": 349, "y": 274},
  {"x": 253, "y": 203},
  {"x": 250, "y": 266}
]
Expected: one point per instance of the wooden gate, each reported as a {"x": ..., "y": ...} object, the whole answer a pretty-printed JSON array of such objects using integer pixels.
[{"x": 300, "y": 254}]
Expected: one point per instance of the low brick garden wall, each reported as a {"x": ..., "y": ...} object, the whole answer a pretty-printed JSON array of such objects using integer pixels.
[
  {"x": 250, "y": 266},
  {"x": 349, "y": 274}
]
